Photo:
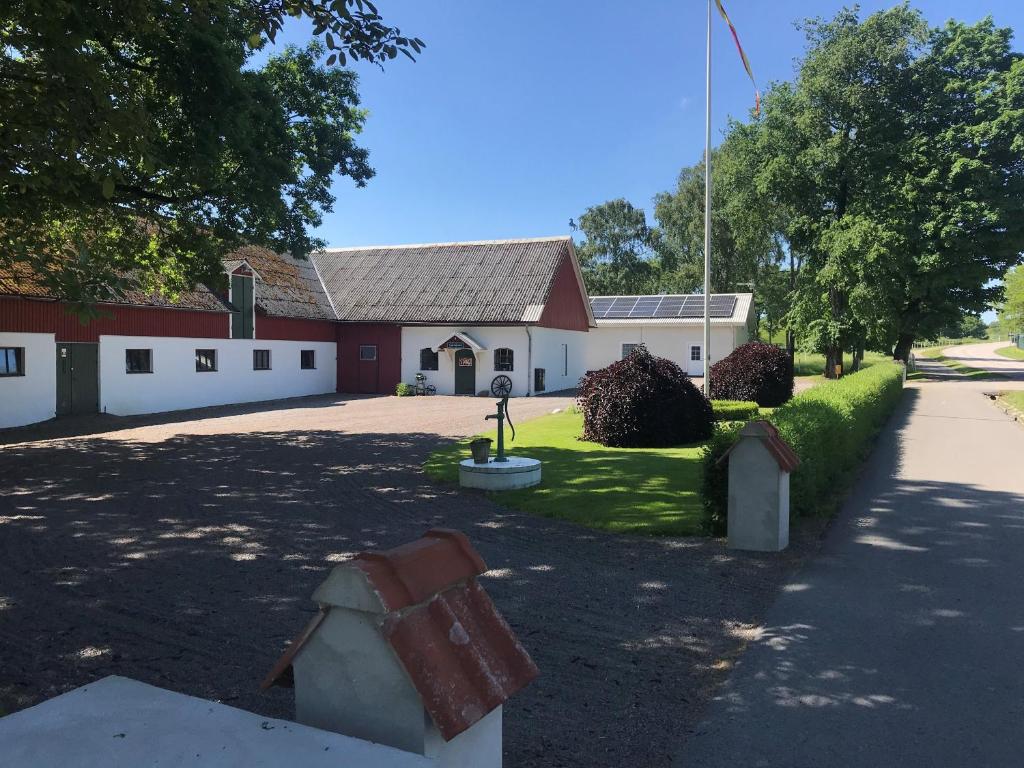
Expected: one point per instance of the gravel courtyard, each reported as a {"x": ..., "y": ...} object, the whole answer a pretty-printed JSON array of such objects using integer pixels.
[{"x": 182, "y": 550}]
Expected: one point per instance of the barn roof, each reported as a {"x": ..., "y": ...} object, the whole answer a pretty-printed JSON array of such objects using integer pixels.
[
  {"x": 21, "y": 280},
  {"x": 488, "y": 281},
  {"x": 285, "y": 286}
]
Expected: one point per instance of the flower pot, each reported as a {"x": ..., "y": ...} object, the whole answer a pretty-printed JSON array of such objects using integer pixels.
[{"x": 481, "y": 448}]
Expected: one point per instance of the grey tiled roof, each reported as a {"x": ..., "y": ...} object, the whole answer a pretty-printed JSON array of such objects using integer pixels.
[
  {"x": 21, "y": 280},
  {"x": 505, "y": 281},
  {"x": 286, "y": 286}
]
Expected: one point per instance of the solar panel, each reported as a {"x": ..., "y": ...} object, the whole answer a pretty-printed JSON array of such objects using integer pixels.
[
  {"x": 600, "y": 306},
  {"x": 621, "y": 307},
  {"x": 661, "y": 307},
  {"x": 646, "y": 306}
]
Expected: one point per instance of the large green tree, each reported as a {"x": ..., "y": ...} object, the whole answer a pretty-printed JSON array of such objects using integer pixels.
[
  {"x": 139, "y": 137},
  {"x": 897, "y": 155},
  {"x": 1011, "y": 311},
  {"x": 618, "y": 254}
]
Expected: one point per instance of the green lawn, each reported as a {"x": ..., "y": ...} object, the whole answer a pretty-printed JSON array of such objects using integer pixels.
[
  {"x": 813, "y": 364},
  {"x": 1013, "y": 399},
  {"x": 1014, "y": 353},
  {"x": 642, "y": 490}
]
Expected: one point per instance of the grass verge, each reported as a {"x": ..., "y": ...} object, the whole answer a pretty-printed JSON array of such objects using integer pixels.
[
  {"x": 935, "y": 355},
  {"x": 1014, "y": 353},
  {"x": 1014, "y": 401},
  {"x": 654, "y": 491}
]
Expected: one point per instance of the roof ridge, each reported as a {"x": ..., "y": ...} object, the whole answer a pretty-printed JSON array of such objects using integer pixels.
[{"x": 343, "y": 249}]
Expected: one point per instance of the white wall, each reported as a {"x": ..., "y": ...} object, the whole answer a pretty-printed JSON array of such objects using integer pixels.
[
  {"x": 670, "y": 341},
  {"x": 547, "y": 353},
  {"x": 414, "y": 338},
  {"x": 550, "y": 354},
  {"x": 175, "y": 384},
  {"x": 32, "y": 397}
]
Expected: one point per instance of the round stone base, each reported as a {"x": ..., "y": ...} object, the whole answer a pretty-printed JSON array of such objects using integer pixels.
[{"x": 516, "y": 472}]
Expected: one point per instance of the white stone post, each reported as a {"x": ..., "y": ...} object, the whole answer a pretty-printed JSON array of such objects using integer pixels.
[{"x": 759, "y": 466}]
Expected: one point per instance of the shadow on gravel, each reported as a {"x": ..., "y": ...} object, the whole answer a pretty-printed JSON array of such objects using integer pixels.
[
  {"x": 102, "y": 423},
  {"x": 189, "y": 563}
]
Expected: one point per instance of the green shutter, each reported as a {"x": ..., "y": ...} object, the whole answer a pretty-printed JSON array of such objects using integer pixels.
[{"x": 242, "y": 298}]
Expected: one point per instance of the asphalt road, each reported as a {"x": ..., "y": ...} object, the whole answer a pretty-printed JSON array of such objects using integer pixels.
[
  {"x": 902, "y": 643},
  {"x": 984, "y": 356}
]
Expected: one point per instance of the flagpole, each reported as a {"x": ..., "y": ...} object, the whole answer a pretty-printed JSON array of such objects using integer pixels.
[{"x": 707, "y": 219}]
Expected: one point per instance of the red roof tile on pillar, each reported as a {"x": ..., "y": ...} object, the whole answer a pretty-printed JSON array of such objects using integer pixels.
[
  {"x": 461, "y": 655},
  {"x": 780, "y": 449},
  {"x": 411, "y": 573},
  {"x": 766, "y": 432}
]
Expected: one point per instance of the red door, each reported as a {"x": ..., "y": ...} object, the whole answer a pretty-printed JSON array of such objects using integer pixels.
[{"x": 369, "y": 368}]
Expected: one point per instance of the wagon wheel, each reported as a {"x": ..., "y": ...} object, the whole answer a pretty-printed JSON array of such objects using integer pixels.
[{"x": 501, "y": 386}]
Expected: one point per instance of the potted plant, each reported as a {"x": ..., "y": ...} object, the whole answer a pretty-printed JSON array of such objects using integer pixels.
[{"x": 481, "y": 448}]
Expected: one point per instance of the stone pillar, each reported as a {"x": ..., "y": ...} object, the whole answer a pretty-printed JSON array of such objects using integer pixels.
[
  {"x": 409, "y": 651},
  {"x": 760, "y": 463}
]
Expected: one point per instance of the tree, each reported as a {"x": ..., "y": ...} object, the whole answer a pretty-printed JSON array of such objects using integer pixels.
[
  {"x": 896, "y": 155},
  {"x": 138, "y": 141},
  {"x": 618, "y": 253},
  {"x": 1011, "y": 311}
]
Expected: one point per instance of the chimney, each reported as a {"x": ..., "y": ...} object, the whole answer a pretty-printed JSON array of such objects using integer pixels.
[{"x": 408, "y": 650}]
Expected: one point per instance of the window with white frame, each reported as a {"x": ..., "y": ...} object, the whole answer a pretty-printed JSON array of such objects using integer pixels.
[
  {"x": 504, "y": 359},
  {"x": 261, "y": 359},
  {"x": 695, "y": 352},
  {"x": 368, "y": 352},
  {"x": 627, "y": 349}
]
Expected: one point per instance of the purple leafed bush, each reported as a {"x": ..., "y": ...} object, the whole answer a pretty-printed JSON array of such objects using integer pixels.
[
  {"x": 754, "y": 371},
  {"x": 643, "y": 402}
]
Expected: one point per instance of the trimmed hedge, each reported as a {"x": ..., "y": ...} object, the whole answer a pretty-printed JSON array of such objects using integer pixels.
[
  {"x": 830, "y": 427},
  {"x": 754, "y": 371},
  {"x": 643, "y": 401},
  {"x": 734, "y": 410},
  {"x": 405, "y": 390}
]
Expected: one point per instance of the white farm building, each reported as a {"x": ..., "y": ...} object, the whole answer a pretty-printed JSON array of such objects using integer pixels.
[{"x": 352, "y": 320}]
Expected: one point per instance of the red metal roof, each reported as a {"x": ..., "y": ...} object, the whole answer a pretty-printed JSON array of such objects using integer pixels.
[{"x": 460, "y": 654}]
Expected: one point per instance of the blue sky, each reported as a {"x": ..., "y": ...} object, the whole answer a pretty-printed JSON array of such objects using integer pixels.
[{"x": 520, "y": 115}]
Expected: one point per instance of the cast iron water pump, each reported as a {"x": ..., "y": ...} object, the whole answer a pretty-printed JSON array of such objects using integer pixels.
[{"x": 501, "y": 416}]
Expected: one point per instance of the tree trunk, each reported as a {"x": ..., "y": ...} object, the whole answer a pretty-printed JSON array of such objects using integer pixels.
[
  {"x": 858, "y": 358},
  {"x": 904, "y": 344},
  {"x": 833, "y": 361},
  {"x": 791, "y": 346}
]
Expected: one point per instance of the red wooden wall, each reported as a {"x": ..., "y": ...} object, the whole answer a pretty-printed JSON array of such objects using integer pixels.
[
  {"x": 295, "y": 329},
  {"x": 388, "y": 339},
  {"x": 566, "y": 306},
  {"x": 29, "y": 316}
]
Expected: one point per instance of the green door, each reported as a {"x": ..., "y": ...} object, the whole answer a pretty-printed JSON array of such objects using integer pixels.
[
  {"x": 465, "y": 372},
  {"x": 241, "y": 299},
  {"x": 78, "y": 388}
]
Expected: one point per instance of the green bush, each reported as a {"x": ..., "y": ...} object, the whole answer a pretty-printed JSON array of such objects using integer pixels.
[
  {"x": 830, "y": 427},
  {"x": 405, "y": 390},
  {"x": 734, "y": 410},
  {"x": 715, "y": 479}
]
